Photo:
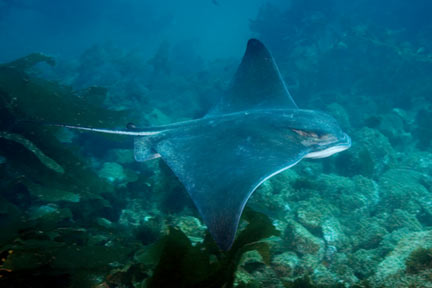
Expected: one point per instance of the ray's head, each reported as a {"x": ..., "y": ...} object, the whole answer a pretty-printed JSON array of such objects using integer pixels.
[{"x": 319, "y": 132}]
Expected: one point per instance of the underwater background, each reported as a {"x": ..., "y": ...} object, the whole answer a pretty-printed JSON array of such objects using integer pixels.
[{"x": 76, "y": 210}]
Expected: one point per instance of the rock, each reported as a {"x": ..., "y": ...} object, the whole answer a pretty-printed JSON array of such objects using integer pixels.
[
  {"x": 390, "y": 271},
  {"x": 285, "y": 264},
  {"x": 390, "y": 241},
  {"x": 104, "y": 223},
  {"x": 157, "y": 117},
  {"x": 364, "y": 262},
  {"x": 113, "y": 172},
  {"x": 313, "y": 212},
  {"x": 310, "y": 247},
  {"x": 262, "y": 276},
  {"x": 99, "y": 239},
  {"x": 122, "y": 156},
  {"x": 423, "y": 132},
  {"x": 402, "y": 219},
  {"x": 365, "y": 195},
  {"x": 191, "y": 226},
  {"x": 49, "y": 216},
  {"x": 340, "y": 114},
  {"x": 367, "y": 233},
  {"x": 43, "y": 211},
  {"x": 251, "y": 261},
  {"x": 420, "y": 161},
  {"x": 65, "y": 135},
  {"x": 322, "y": 276},
  {"x": 333, "y": 236},
  {"x": 339, "y": 191},
  {"x": 53, "y": 195},
  {"x": 134, "y": 215},
  {"x": 272, "y": 197},
  {"x": 371, "y": 155},
  {"x": 393, "y": 124},
  {"x": 402, "y": 189}
]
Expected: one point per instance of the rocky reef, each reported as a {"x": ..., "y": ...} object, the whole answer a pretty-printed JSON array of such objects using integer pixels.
[{"x": 76, "y": 210}]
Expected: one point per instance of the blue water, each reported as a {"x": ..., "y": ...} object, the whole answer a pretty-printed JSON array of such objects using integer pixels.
[{"x": 76, "y": 210}]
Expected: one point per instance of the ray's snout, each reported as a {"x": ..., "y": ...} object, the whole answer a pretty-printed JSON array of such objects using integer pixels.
[{"x": 346, "y": 140}]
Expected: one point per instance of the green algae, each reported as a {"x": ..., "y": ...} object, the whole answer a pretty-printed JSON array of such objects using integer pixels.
[
  {"x": 29, "y": 144},
  {"x": 29, "y": 61},
  {"x": 29, "y": 98},
  {"x": 44, "y": 159},
  {"x": 306, "y": 282},
  {"x": 419, "y": 260},
  {"x": 51, "y": 258},
  {"x": 48, "y": 247},
  {"x": 423, "y": 131},
  {"x": 184, "y": 265}
]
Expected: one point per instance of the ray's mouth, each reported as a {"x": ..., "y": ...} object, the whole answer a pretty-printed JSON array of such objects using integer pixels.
[
  {"x": 340, "y": 146},
  {"x": 346, "y": 141}
]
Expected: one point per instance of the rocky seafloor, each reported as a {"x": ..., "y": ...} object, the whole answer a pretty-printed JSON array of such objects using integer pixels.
[{"x": 76, "y": 210}]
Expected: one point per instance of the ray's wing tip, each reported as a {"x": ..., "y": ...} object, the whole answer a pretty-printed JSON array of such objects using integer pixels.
[
  {"x": 255, "y": 45},
  {"x": 254, "y": 42},
  {"x": 225, "y": 243},
  {"x": 223, "y": 232}
]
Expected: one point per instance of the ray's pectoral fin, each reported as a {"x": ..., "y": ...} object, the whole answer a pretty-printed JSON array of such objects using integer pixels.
[
  {"x": 143, "y": 149},
  {"x": 257, "y": 84},
  {"x": 221, "y": 169}
]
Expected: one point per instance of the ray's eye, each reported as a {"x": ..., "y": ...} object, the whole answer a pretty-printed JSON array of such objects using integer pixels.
[
  {"x": 309, "y": 134},
  {"x": 130, "y": 126}
]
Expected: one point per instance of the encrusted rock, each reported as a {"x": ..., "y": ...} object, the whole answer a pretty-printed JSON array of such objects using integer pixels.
[
  {"x": 122, "y": 156},
  {"x": 112, "y": 172},
  {"x": 134, "y": 215},
  {"x": 364, "y": 262},
  {"x": 402, "y": 188},
  {"x": 365, "y": 195},
  {"x": 340, "y": 114},
  {"x": 304, "y": 243},
  {"x": 285, "y": 264},
  {"x": 334, "y": 237},
  {"x": 103, "y": 222},
  {"x": 115, "y": 172},
  {"x": 403, "y": 219},
  {"x": 312, "y": 213},
  {"x": 390, "y": 272},
  {"x": 371, "y": 155},
  {"x": 323, "y": 276},
  {"x": 53, "y": 195},
  {"x": 367, "y": 233},
  {"x": 191, "y": 226}
]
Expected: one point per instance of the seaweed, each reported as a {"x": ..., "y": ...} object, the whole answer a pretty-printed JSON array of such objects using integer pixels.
[
  {"x": 36, "y": 158},
  {"x": 27, "y": 62},
  {"x": 35, "y": 262},
  {"x": 148, "y": 232},
  {"x": 49, "y": 247},
  {"x": 423, "y": 131},
  {"x": 47, "y": 161},
  {"x": 355, "y": 162},
  {"x": 419, "y": 260},
  {"x": 306, "y": 282},
  {"x": 174, "y": 197},
  {"x": 203, "y": 265}
]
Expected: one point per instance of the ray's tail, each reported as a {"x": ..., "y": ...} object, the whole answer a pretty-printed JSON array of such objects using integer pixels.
[
  {"x": 143, "y": 145},
  {"x": 107, "y": 131}
]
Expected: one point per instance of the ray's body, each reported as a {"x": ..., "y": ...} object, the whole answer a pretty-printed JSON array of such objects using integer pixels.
[{"x": 254, "y": 133}]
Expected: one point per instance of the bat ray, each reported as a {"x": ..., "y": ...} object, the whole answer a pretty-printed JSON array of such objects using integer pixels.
[{"x": 255, "y": 132}]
